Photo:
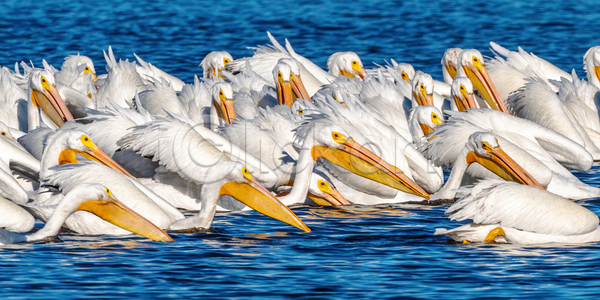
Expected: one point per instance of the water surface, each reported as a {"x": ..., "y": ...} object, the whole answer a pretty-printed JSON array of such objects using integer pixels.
[{"x": 365, "y": 252}]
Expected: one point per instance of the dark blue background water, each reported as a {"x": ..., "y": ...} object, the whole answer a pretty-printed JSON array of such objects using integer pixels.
[{"x": 356, "y": 251}]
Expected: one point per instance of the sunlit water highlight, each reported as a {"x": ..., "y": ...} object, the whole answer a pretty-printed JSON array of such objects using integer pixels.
[{"x": 368, "y": 252}]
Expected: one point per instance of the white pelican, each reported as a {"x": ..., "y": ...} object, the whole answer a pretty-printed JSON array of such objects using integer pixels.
[
  {"x": 368, "y": 128},
  {"x": 286, "y": 80},
  {"x": 423, "y": 92},
  {"x": 92, "y": 198},
  {"x": 572, "y": 113},
  {"x": 45, "y": 104},
  {"x": 15, "y": 157},
  {"x": 401, "y": 71},
  {"x": 320, "y": 191},
  {"x": 449, "y": 64},
  {"x": 151, "y": 73},
  {"x": 294, "y": 79},
  {"x": 484, "y": 149},
  {"x": 507, "y": 212},
  {"x": 510, "y": 69},
  {"x": 471, "y": 65},
  {"x": 387, "y": 100},
  {"x": 209, "y": 102},
  {"x": 542, "y": 152},
  {"x": 422, "y": 121},
  {"x": 75, "y": 85},
  {"x": 265, "y": 58},
  {"x": 322, "y": 139},
  {"x": 214, "y": 63},
  {"x": 462, "y": 98},
  {"x": 13, "y": 103},
  {"x": 121, "y": 82},
  {"x": 79, "y": 73},
  {"x": 591, "y": 61},
  {"x": 14, "y": 218},
  {"x": 64, "y": 147}
]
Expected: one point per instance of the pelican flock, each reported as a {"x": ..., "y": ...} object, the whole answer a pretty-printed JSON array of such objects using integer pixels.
[{"x": 274, "y": 131}]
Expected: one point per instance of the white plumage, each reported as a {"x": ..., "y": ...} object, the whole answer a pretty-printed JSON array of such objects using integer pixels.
[{"x": 527, "y": 215}]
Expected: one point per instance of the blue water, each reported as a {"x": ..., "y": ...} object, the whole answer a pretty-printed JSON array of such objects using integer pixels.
[{"x": 366, "y": 252}]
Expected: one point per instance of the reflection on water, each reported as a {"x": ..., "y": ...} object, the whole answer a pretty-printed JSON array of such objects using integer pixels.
[{"x": 366, "y": 252}]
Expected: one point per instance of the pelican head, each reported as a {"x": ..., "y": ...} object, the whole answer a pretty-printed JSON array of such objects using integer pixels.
[
  {"x": 462, "y": 93},
  {"x": 84, "y": 64},
  {"x": 334, "y": 144},
  {"x": 214, "y": 63},
  {"x": 65, "y": 145},
  {"x": 347, "y": 64},
  {"x": 282, "y": 74},
  {"x": 449, "y": 64},
  {"x": 44, "y": 95},
  {"x": 591, "y": 62},
  {"x": 296, "y": 81},
  {"x": 222, "y": 97},
  {"x": 428, "y": 117},
  {"x": 321, "y": 191},
  {"x": 422, "y": 86},
  {"x": 5, "y": 132},
  {"x": 473, "y": 67},
  {"x": 241, "y": 185},
  {"x": 99, "y": 200},
  {"x": 338, "y": 92},
  {"x": 484, "y": 149},
  {"x": 406, "y": 71}
]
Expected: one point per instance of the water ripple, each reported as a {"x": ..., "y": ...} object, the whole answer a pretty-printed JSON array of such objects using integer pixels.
[{"x": 364, "y": 252}]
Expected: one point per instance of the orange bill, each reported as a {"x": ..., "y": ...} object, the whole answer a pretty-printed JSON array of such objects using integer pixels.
[
  {"x": 255, "y": 196},
  {"x": 117, "y": 213},
  {"x": 362, "y": 162}
]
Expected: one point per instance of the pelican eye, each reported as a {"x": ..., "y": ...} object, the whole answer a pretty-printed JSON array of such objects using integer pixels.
[
  {"x": 300, "y": 110},
  {"x": 279, "y": 74},
  {"x": 404, "y": 75},
  {"x": 462, "y": 87},
  {"x": 3, "y": 133},
  {"x": 108, "y": 192},
  {"x": 246, "y": 173},
  {"x": 87, "y": 142},
  {"x": 222, "y": 96},
  {"x": 338, "y": 137},
  {"x": 324, "y": 187},
  {"x": 45, "y": 83},
  {"x": 354, "y": 62},
  {"x": 486, "y": 146},
  {"x": 477, "y": 62},
  {"x": 87, "y": 70},
  {"x": 226, "y": 61}
]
